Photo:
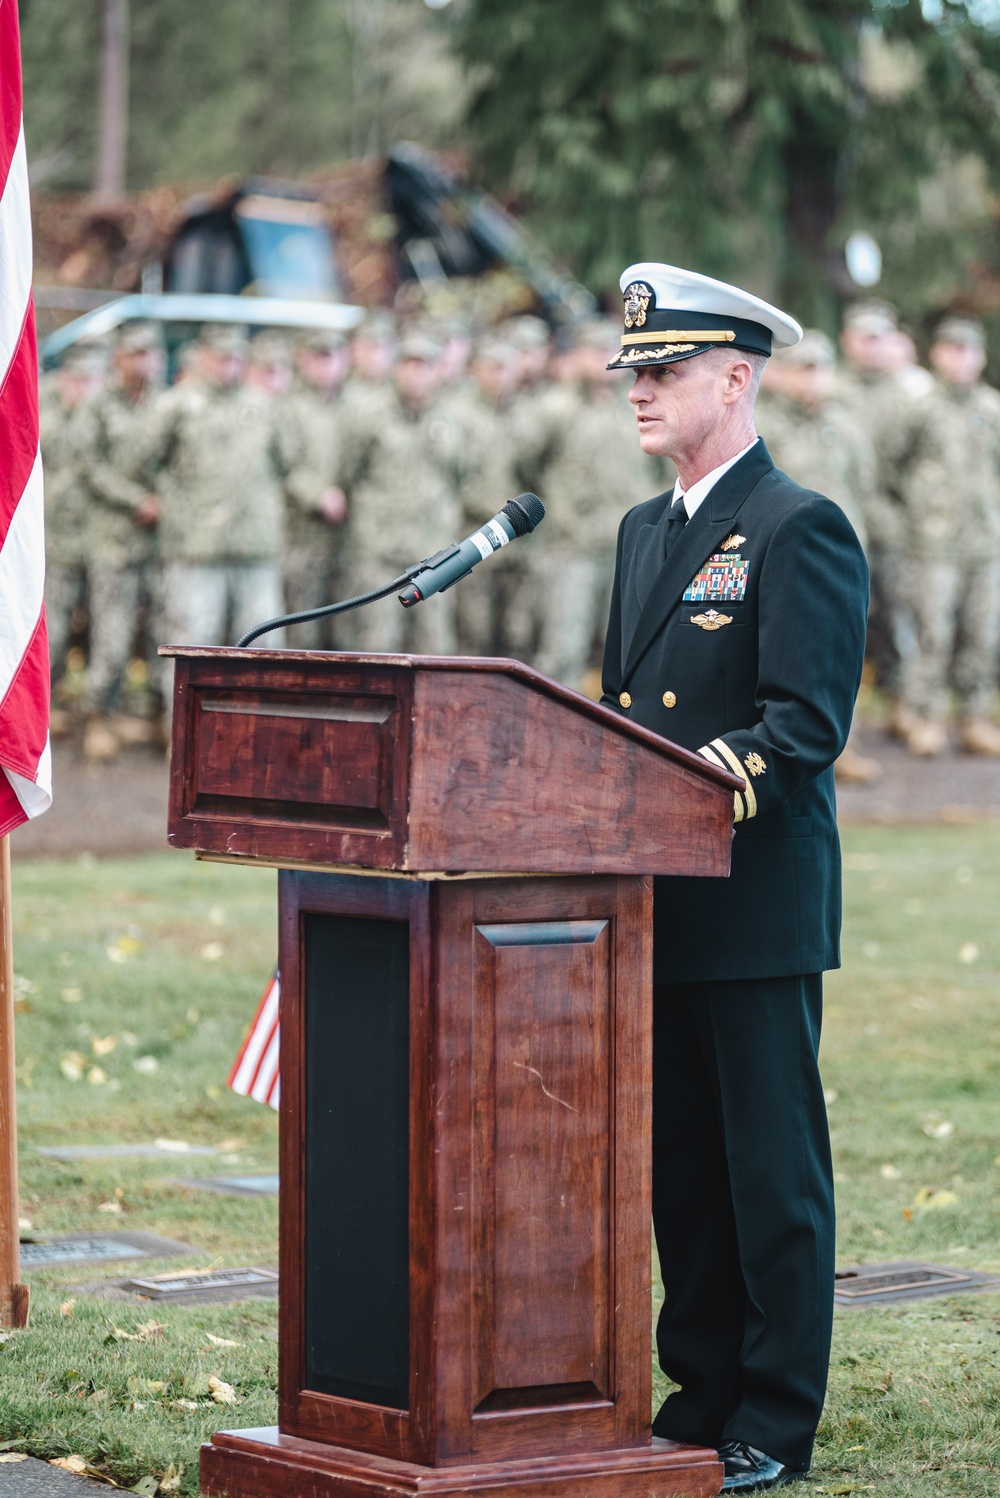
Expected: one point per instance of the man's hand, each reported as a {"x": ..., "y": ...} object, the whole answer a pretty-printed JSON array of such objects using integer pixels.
[
  {"x": 147, "y": 511},
  {"x": 333, "y": 506}
]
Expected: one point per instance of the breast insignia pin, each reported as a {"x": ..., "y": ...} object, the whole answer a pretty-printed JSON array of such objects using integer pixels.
[
  {"x": 711, "y": 619},
  {"x": 731, "y": 542},
  {"x": 755, "y": 764}
]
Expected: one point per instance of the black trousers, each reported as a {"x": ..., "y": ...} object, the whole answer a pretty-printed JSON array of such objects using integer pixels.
[{"x": 743, "y": 1212}]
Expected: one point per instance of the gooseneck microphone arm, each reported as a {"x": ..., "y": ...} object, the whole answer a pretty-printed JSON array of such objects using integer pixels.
[
  {"x": 434, "y": 574},
  {"x": 332, "y": 608}
]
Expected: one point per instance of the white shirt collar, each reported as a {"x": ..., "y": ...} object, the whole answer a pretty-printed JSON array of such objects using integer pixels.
[{"x": 700, "y": 491}]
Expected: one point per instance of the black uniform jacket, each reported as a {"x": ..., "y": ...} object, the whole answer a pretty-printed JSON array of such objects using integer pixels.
[{"x": 758, "y": 669}]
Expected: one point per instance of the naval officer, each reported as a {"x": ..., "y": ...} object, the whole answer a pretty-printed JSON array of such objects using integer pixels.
[{"x": 737, "y": 629}]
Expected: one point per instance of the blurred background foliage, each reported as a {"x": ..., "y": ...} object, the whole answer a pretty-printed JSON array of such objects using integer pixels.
[{"x": 747, "y": 137}]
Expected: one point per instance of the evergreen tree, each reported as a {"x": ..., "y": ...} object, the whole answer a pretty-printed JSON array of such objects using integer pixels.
[{"x": 742, "y": 136}]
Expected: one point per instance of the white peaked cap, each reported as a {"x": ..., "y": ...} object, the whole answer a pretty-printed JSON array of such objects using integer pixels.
[{"x": 673, "y": 314}]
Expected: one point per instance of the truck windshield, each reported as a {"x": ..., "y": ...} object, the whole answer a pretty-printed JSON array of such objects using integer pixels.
[{"x": 289, "y": 248}]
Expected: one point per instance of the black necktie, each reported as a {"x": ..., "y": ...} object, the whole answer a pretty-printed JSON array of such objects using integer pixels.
[{"x": 677, "y": 518}]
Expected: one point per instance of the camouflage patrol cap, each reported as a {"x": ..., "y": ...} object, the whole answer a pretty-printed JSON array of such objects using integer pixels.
[
  {"x": 86, "y": 357},
  {"x": 377, "y": 326},
  {"x": 815, "y": 349},
  {"x": 493, "y": 350},
  {"x": 322, "y": 340},
  {"x": 958, "y": 328},
  {"x": 140, "y": 337},
  {"x": 225, "y": 338},
  {"x": 269, "y": 348},
  {"x": 872, "y": 316},
  {"x": 418, "y": 344},
  {"x": 597, "y": 333},
  {"x": 526, "y": 332}
]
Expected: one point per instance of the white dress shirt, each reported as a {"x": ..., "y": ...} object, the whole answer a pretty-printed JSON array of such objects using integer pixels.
[{"x": 700, "y": 491}]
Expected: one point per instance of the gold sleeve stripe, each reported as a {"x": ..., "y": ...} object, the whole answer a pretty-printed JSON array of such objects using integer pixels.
[
  {"x": 710, "y": 753},
  {"x": 738, "y": 769},
  {"x": 739, "y": 806},
  {"x": 675, "y": 335}
]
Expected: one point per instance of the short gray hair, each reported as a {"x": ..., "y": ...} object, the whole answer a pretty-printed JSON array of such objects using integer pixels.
[{"x": 757, "y": 363}]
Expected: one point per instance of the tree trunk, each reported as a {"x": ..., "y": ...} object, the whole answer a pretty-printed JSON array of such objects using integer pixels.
[{"x": 112, "y": 136}]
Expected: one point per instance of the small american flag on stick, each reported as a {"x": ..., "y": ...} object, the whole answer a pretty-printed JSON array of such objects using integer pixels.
[
  {"x": 256, "y": 1072},
  {"x": 25, "y": 764}
]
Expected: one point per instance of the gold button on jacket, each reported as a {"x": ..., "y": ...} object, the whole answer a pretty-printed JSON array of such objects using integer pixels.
[
  {"x": 669, "y": 699},
  {"x": 625, "y": 699}
]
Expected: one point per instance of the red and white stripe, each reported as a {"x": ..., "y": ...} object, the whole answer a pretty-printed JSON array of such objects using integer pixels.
[
  {"x": 25, "y": 760},
  {"x": 256, "y": 1072}
]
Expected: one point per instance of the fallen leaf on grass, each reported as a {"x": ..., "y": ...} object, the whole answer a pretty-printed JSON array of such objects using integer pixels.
[
  {"x": 111, "y": 1207},
  {"x": 146, "y": 1331},
  {"x": 72, "y": 995},
  {"x": 939, "y": 1128},
  {"x": 220, "y": 1341},
  {"x": 220, "y": 1391},
  {"x": 104, "y": 1045},
  {"x": 97, "y": 1076},
  {"x": 929, "y": 1197},
  {"x": 66, "y": 1309},
  {"x": 171, "y": 1479},
  {"x": 968, "y": 952},
  {"x": 183, "y": 1404},
  {"x": 13, "y": 1456},
  {"x": 72, "y": 1065},
  {"x": 212, "y": 951},
  {"x": 69, "y": 1463},
  {"x": 146, "y": 1065},
  {"x": 890, "y": 1173},
  {"x": 148, "y": 1486},
  {"x": 137, "y": 1385},
  {"x": 24, "y": 1224}
]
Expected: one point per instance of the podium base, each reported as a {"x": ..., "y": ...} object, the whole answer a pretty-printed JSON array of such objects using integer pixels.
[{"x": 265, "y": 1464}]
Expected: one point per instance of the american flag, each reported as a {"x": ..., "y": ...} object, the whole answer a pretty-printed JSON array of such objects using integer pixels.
[
  {"x": 25, "y": 761},
  {"x": 255, "y": 1071}
]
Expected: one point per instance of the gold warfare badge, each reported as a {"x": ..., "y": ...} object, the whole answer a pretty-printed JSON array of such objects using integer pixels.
[{"x": 637, "y": 299}]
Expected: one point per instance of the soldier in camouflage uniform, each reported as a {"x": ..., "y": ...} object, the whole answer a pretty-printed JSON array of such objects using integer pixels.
[
  {"x": 820, "y": 444},
  {"x": 953, "y": 544},
  {"x": 881, "y": 395},
  {"x": 61, "y": 396},
  {"x": 269, "y": 363},
  {"x": 480, "y": 459},
  {"x": 121, "y": 531},
  {"x": 593, "y": 472},
  {"x": 395, "y": 471},
  {"x": 316, "y": 508},
  {"x": 214, "y": 449}
]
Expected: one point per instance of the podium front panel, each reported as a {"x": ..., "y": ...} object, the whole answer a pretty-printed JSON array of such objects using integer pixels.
[{"x": 465, "y": 1165}]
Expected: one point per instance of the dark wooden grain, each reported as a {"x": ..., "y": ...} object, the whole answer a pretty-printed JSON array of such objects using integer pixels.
[
  {"x": 266, "y": 1464},
  {"x": 430, "y": 765}
]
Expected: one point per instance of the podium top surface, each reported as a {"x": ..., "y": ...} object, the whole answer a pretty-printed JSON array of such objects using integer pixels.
[{"x": 428, "y": 765}]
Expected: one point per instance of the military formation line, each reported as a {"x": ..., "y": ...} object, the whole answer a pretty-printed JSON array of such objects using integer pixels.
[{"x": 271, "y": 474}]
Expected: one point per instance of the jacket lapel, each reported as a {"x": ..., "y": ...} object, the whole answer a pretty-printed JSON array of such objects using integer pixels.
[{"x": 702, "y": 535}]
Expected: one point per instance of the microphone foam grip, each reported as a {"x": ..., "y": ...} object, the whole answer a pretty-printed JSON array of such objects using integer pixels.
[{"x": 524, "y": 513}]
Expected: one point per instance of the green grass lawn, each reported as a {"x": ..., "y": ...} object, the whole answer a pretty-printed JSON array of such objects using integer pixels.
[{"x": 166, "y": 958}]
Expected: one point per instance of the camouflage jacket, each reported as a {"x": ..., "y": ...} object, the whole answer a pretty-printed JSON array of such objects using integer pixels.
[
  {"x": 826, "y": 450},
  {"x": 887, "y": 410},
  {"x": 952, "y": 490},
  {"x": 397, "y": 468},
  {"x": 309, "y": 438},
  {"x": 67, "y": 502},
  {"x": 215, "y": 458},
  {"x": 114, "y": 428}
]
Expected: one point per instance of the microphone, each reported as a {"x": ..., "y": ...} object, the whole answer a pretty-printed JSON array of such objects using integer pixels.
[{"x": 447, "y": 567}]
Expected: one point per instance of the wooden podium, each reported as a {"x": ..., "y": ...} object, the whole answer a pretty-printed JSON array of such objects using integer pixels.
[{"x": 465, "y": 896}]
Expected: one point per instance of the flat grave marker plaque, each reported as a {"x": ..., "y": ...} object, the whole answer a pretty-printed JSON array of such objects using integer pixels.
[
  {"x": 262, "y": 1185},
  {"x": 204, "y": 1285},
  {"x": 903, "y": 1280},
  {"x": 97, "y": 1248}
]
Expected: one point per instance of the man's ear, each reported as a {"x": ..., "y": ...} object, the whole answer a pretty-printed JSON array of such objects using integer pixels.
[{"x": 738, "y": 380}]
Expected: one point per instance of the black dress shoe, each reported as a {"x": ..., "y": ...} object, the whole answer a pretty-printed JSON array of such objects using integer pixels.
[{"x": 748, "y": 1470}]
